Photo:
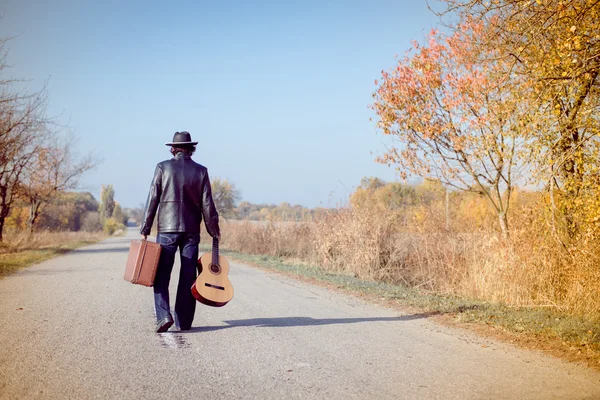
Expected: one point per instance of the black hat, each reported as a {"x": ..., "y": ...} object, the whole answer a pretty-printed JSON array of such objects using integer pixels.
[{"x": 181, "y": 138}]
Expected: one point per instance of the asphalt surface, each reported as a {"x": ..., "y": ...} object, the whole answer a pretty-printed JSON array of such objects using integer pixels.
[{"x": 72, "y": 328}]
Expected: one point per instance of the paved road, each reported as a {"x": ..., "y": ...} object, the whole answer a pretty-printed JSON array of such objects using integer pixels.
[{"x": 72, "y": 328}]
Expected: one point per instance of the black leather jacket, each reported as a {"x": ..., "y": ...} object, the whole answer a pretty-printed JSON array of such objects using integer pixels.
[{"x": 182, "y": 194}]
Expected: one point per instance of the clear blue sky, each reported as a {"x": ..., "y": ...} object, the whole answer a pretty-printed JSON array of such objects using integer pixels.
[{"x": 276, "y": 92}]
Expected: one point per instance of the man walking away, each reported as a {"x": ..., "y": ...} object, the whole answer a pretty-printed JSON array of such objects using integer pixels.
[{"x": 181, "y": 193}]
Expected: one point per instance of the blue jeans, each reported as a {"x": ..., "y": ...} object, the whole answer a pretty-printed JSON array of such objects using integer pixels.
[{"x": 185, "y": 303}]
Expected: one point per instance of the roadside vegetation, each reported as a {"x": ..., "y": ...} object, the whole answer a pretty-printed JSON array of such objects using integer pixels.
[
  {"x": 70, "y": 220},
  {"x": 445, "y": 242},
  {"x": 22, "y": 250}
]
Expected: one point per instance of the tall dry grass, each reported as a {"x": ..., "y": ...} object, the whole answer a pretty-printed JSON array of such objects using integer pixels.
[
  {"x": 278, "y": 239},
  {"x": 22, "y": 241},
  {"x": 530, "y": 268},
  {"x": 20, "y": 250}
]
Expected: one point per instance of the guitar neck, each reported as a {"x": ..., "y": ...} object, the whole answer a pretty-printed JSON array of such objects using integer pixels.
[{"x": 215, "y": 251}]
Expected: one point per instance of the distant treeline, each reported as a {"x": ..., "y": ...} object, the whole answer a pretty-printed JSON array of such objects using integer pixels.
[
  {"x": 394, "y": 196},
  {"x": 281, "y": 212},
  {"x": 75, "y": 211}
]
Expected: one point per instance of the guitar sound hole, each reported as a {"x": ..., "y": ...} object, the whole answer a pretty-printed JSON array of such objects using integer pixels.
[
  {"x": 215, "y": 269},
  {"x": 214, "y": 286}
]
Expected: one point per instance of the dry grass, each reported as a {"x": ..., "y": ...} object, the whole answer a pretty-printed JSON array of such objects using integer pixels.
[
  {"x": 21, "y": 250},
  {"x": 526, "y": 270},
  {"x": 279, "y": 239},
  {"x": 533, "y": 291}
]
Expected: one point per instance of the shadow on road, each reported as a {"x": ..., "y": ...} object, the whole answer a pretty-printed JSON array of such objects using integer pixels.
[
  {"x": 61, "y": 271},
  {"x": 103, "y": 250},
  {"x": 286, "y": 322}
]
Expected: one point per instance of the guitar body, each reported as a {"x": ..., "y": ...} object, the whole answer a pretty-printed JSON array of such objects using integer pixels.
[{"x": 212, "y": 287}]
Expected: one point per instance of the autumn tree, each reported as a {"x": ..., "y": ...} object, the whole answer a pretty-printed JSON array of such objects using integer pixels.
[
  {"x": 118, "y": 214},
  {"x": 451, "y": 119},
  {"x": 244, "y": 210},
  {"x": 225, "y": 196},
  {"x": 22, "y": 129},
  {"x": 53, "y": 168},
  {"x": 371, "y": 183},
  {"x": 107, "y": 202},
  {"x": 69, "y": 211},
  {"x": 554, "y": 47},
  {"x": 375, "y": 194}
]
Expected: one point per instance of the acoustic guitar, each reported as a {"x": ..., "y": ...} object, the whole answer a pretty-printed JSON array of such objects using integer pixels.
[{"x": 212, "y": 287}]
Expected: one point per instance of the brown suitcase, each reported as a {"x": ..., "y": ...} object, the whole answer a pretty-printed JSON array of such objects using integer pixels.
[{"x": 142, "y": 262}]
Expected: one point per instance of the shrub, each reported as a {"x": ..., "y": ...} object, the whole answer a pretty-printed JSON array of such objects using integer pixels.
[
  {"x": 91, "y": 222},
  {"x": 111, "y": 225}
]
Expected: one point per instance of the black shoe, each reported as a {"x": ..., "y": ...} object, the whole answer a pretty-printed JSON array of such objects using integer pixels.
[{"x": 164, "y": 325}]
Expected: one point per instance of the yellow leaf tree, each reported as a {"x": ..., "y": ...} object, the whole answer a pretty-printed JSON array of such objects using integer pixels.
[{"x": 554, "y": 47}]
